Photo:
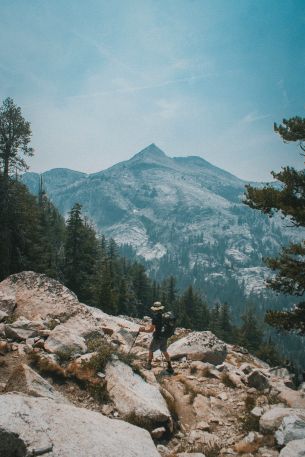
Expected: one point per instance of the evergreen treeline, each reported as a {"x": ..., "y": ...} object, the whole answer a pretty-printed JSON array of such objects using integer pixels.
[{"x": 34, "y": 236}]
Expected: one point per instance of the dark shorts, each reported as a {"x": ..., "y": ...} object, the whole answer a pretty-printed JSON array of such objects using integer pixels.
[{"x": 158, "y": 342}]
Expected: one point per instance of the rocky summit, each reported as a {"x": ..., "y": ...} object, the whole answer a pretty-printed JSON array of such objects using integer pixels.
[{"x": 71, "y": 386}]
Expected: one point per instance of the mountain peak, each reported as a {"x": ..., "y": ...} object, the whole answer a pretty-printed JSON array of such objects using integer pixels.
[{"x": 152, "y": 151}]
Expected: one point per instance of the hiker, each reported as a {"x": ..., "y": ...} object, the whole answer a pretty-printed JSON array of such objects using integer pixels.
[{"x": 160, "y": 336}]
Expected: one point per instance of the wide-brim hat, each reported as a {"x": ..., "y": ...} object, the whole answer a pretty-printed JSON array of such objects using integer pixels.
[{"x": 157, "y": 306}]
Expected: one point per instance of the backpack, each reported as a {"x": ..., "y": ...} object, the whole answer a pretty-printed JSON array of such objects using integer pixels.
[{"x": 168, "y": 324}]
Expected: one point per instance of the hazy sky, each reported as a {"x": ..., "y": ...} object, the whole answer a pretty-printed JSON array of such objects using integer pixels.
[{"x": 101, "y": 79}]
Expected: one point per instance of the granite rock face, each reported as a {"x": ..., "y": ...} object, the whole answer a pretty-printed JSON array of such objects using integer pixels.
[
  {"x": 29, "y": 424},
  {"x": 27, "y": 381},
  {"x": 134, "y": 397},
  {"x": 292, "y": 428},
  {"x": 204, "y": 346},
  {"x": 30, "y": 294},
  {"x": 272, "y": 419},
  {"x": 295, "y": 448}
]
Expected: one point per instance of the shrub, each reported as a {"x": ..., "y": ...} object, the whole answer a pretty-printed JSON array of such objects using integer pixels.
[{"x": 65, "y": 355}]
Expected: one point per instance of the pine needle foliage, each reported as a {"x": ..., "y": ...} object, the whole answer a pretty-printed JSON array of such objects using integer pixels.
[{"x": 288, "y": 199}]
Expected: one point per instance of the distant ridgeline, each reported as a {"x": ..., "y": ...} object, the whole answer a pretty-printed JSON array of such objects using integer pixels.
[
  {"x": 180, "y": 216},
  {"x": 38, "y": 239}
]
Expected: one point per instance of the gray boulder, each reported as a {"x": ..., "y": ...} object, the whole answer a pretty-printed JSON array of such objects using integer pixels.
[
  {"x": 258, "y": 380},
  {"x": 272, "y": 419},
  {"x": 294, "y": 449},
  {"x": 23, "y": 329},
  {"x": 25, "y": 380},
  {"x": 204, "y": 346},
  {"x": 135, "y": 399},
  {"x": 29, "y": 424},
  {"x": 65, "y": 340},
  {"x": 30, "y": 294},
  {"x": 292, "y": 428}
]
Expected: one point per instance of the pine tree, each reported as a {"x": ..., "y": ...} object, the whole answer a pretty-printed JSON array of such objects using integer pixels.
[
  {"x": 51, "y": 228},
  {"x": 15, "y": 136},
  {"x": 226, "y": 327},
  {"x": 214, "y": 324},
  {"x": 251, "y": 336},
  {"x": 142, "y": 288},
  {"x": 289, "y": 200},
  {"x": 81, "y": 255},
  {"x": 19, "y": 235}
]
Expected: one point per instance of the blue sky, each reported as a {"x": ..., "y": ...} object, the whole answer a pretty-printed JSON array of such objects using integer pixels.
[{"x": 100, "y": 80}]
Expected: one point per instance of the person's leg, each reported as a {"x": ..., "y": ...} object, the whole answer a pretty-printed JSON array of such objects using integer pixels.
[
  {"x": 163, "y": 347},
  {"x": 167, "y": 357},
  {"x": 152, "y": 349}
]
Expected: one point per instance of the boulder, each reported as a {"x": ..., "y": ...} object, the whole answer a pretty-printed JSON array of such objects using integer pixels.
[
  {"x": 23, "y": 328},
  {"x": 110, "y": 324},
  {"x": 65, "y": 341},
  {"x": 258, "y": 380},
  {"x": 257, "y": 412},
  {"x": 29, "y": 424},
  {"x": 203, "y": 346},
  {"x": 3, "y": 315},
  {"x": 272, "y": 419},
  {"x": 294, "y": 449},
  {"x": 292, "y": 428},
  {"x": 292, "y": 398},
  {"x": 25, "y": 380},
  {"x": 135, "y": 399},
  {"x": 232, "y": 378},
  {"x": 30, "y": 294},
  {"x": 267, "y": 452},
  {"x": 7, "y": 299}
]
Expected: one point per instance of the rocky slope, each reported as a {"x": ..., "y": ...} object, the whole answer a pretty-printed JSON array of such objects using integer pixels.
[
  {"x": 181, "y": 215},
  {"x": 69, "y": 387}
]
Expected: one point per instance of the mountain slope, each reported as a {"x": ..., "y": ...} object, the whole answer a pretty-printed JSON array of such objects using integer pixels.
[{"x": 182, "y": 215}]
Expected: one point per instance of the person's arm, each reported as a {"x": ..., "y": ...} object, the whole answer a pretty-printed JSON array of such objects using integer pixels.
[{"x": 148, "y": 329}]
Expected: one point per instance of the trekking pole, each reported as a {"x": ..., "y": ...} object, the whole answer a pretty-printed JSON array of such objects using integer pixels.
[{"x": 133, "y": 343}]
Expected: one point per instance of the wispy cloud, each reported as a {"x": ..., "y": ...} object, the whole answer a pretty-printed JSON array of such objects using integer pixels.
[
  {"x": 254, "y": 117},
  {"x": 129, "y": 88}
]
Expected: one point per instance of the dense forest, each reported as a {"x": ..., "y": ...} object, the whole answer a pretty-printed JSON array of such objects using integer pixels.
[{"x": 34, "y": 236}]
